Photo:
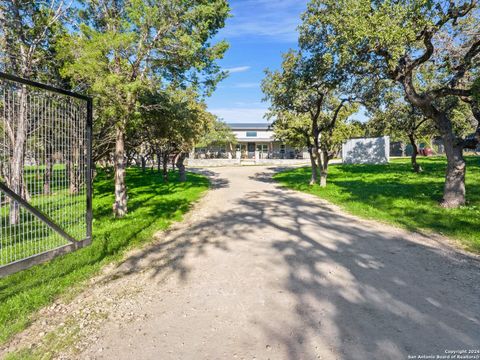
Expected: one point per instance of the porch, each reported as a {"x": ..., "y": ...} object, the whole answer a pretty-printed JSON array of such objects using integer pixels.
[{"x": 252, "y": 150}]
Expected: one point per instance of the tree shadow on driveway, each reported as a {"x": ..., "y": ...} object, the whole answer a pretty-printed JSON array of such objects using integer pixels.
[
  {"x": 361, "y": 289},
  {"x": 216, "y": 181}
]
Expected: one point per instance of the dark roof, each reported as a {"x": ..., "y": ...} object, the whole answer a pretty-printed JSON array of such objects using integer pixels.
[{"x": 249, "y": 126}]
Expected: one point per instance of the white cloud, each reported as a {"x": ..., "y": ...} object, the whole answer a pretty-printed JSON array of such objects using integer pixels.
[
  {"x": 240, "y": 115},
  {"x": 237, "y": 69}
]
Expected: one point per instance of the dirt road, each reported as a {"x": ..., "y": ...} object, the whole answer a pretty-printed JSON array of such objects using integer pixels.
[{"x": 260, "y": 272}]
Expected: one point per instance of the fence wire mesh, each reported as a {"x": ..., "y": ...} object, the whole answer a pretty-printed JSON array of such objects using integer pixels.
[{"x": 44, "y": 164}]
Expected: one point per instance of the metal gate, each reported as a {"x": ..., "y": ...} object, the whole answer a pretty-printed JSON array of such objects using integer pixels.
[{"x": 45, "y": 172}]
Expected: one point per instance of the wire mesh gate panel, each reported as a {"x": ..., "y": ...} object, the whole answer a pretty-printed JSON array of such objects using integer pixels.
[{"x": 45, "y": 172}]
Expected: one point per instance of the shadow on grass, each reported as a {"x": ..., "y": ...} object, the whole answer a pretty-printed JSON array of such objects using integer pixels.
[
  {"x": 153, "y": 206},
  {"x": 216, "y": 181},
  {"x": 394, "y": 193}
]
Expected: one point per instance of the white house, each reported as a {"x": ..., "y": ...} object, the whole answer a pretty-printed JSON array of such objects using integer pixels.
[
  {"x": 254, "y": 141},
  {"x": 257, "y": 140}
]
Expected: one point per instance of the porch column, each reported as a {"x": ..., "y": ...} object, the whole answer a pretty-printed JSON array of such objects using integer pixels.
[{"x": 238, "y": 153}]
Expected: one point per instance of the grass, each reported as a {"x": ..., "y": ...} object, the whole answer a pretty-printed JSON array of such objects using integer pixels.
[
  {"x": 30, "y": 236},
  {"x": 394, "y": 194},
  {"x": 153, "y": 206}
]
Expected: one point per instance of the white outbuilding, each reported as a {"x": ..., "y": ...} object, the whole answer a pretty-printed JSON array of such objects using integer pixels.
[{"x": 366, "y": 150}]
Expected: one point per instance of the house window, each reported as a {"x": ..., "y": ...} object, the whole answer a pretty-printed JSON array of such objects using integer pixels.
[
  {"x": 251, "y": 134},
  {"x": 262, "y": 148}
]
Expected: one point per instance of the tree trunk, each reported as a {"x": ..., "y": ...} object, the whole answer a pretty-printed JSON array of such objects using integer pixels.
[
  {"x": 143, "y": 162},
  {"x": 120, "y": 205},
  {"x": 47, "y": 176},
  {"x": 316, "y": 150},
  {"x": 454, "y": 190},
  {"x": 182, "y": 174},
  {"x": 159, "y": 160},
  {"x": 416, "y": 167},
  {"x": 165, "y": 166},
  {"x": 17, "y": 163},
  {"x": 318, "y": 158},
  {"x": 324, "y": 169},
  {"x": 314, "y": 176},
  {"x": 74, "y": 170}
]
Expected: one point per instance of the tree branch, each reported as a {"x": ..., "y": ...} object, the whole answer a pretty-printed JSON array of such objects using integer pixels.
[
  {"x": 416, "y": 127},
  {"x": 462, "y": 68},
  {"x": 445, "y": 91},
  {"x": 335, "y": 114},
  {"x": 429, "y": 49}
]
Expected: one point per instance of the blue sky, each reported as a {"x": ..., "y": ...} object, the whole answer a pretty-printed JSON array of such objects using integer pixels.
[{"x": 258, "y": 32}]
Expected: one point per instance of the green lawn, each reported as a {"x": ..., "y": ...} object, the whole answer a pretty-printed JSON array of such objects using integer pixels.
[
  {"x": 393, "y": 193},
  {"x": 153, "y": 205},
  {"x": 30, "y": 236}
]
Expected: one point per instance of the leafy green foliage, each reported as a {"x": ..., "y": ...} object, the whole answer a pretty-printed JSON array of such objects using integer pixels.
[
  {"x": 428, "y": 45},
  {"x": 476, "y": 90},
  {"x": 392, "y": 193},
  {"x": 292, "y": 129},
  {"x": 430, "y": 48},
  {"x": 218, "y": 134},
  {"x": 28, "y": 32},
  {"x": 178, "y": 124},
  {"x": 399, "y": 119},
  {"x": 302, "y": 83},
  {"x": 365, "y": 25},
  {"x": 306, "y": 104},
  {"x": 126, "y": 52}
]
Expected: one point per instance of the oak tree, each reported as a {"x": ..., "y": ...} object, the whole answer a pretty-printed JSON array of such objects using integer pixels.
[
  {"x": 126, "y": 48},
  {"x": 398, "y": 40}
]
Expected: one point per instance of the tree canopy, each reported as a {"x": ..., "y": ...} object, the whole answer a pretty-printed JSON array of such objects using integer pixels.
[
  {"x": 218, "y": 134},
  {"x": 126, "y": 51},
  {"x": 310, "y": 83},
  {"x": 429, "y": 47}
]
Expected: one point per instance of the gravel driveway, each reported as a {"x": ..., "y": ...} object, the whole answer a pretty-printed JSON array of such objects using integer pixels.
[{"x": 261, "y": 272}]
